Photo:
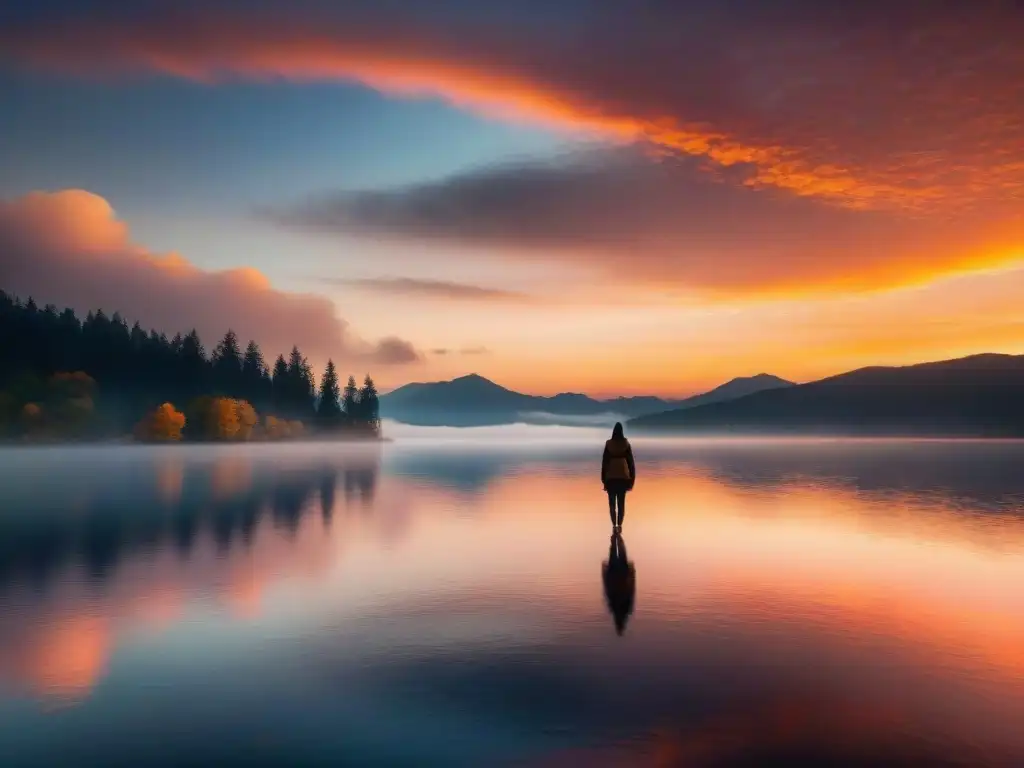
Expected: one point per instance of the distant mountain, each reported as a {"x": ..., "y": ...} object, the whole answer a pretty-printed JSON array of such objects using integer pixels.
[
  {"x": 739, "y": 387},
  {"x": 981, "y": 395},
  {"x": 475, "y": 401}
]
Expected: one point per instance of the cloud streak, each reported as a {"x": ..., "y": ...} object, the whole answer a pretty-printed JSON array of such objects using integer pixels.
[
  {"x": 444, "y": 351},
  {"x": 912, "y": 109},
  {"x": 637, "y": 221},
  {"x": 68, "y": 248},
  {"x": 409, "y": 287}
]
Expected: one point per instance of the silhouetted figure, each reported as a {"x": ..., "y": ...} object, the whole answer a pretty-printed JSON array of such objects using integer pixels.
[
  {"x": 618, "y": 473},
  {"x": 619, "y": 583}
]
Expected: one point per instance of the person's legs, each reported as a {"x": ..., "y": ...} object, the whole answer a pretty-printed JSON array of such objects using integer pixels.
[
  {"x": 611, "y": 505},
  {"x": 621, "y": 495}
]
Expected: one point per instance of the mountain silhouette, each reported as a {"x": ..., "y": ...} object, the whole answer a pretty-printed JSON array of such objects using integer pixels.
[
  {"x": 977, "y": 396},
  {"x": 738, "y": 387},
  {"x": 476, "y": 401}
]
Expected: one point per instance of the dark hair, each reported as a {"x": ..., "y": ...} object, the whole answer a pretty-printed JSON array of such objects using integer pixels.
[{"x": 617, "y": 431}]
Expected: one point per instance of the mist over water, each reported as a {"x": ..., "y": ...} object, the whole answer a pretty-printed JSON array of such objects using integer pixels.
[{"x": 440, "y": 600}]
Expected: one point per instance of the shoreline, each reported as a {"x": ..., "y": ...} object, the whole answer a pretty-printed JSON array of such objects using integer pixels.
[{"x": 126, "y": 441}]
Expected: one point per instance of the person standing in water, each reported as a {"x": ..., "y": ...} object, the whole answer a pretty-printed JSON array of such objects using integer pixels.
[{"x": 618, "y": 474}]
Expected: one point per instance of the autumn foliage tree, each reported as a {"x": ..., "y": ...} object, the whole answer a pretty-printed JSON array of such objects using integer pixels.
[
  {"x": 164, "y": 424},
  {"x": 221, "y": 418},
  {"x": 282, "y": 429}
]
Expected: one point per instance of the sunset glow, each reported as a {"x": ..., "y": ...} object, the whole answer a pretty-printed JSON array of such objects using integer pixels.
[{"x": 701, "y": 211}]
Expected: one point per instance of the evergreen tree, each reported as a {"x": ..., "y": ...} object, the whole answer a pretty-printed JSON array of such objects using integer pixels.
[
  {"x": 279, "y": 386},
  {"x": 369, "y": 405},
  {"x": 350, "y": 401},
  {"x": 252, "y": 363},
  {"x": 192, "y": 348},
  {"x": 193, "y": 367},
  {"x": 256, "y": 385},
  {"x": 138, "y": 338},
  {"x": 227, "y": 366},
  {"x": 301, "y": 389},
  {"x": 329, "y": 408}
]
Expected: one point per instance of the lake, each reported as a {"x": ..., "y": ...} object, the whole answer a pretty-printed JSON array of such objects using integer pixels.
[{"x": 441, "y": 600}]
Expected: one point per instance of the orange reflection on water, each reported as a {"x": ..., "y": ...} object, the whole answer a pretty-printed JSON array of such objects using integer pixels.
[
  {"x": 840, "y": 568},
  {"x": 63, "y": 661},
  {"x": 851, "y": 565},
  {"x": 170, "y": 479},
  {"x": 244, "y": 593},
  {"x": 231, "y": 475}
]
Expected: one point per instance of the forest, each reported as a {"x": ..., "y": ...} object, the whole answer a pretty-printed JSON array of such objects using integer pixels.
[{"x": 98, "y": 378}]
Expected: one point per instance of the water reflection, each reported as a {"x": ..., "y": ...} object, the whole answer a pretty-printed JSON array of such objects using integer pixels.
[
  {"x": 802, "y": 604},
  {"x": 619, "y": 576},
  {"x": 89, "y": 555},
  {"x": 982, "y": 472},
  {"x": 96, "y": 527}
]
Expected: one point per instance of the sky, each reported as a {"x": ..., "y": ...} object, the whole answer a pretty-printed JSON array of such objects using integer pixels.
[{"x": 600, "y": 196}]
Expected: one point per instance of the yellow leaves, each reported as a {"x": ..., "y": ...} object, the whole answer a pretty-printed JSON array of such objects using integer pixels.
[
  {"x": 223, "y": 419},
  {"x": 164, "y": 425},
  {"x": 231, "y": 419},
  {"x": 282, "y": 429},
  {"x": 247, "y": 419},
  {"x": 216, "y": 418}
]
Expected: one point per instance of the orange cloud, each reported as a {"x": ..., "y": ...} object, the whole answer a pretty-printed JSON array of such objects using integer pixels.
[
  {"x": 819, "y": 101},
  {"x": 626, "y": 219},
  {"x": 68, "y": 248}
]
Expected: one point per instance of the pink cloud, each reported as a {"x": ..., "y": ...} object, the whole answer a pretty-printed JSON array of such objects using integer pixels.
[{"x": 68, "y": 248}]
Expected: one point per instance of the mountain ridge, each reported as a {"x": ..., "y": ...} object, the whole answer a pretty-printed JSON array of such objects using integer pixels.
[
  {"x": 978, "y": 395},
  {"x": 473, "y": 399}
]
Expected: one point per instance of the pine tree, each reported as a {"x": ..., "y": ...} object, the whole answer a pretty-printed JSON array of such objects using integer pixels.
[
  {"x": 227, "y": 366},
  {"x": 279, "y": 386},
  {"x": 192, "y": 369},
  {"x": 191, "y": 346},
  {"x": 350, "y": 401},
  {"x": 329, "y": 409},
  {"x": 369, "y": 405},
  {"x": 256, "y": 386},
  {"x": 252, "y": 363},
  {"x": 137, "y": 337},
  {"x": 301, "y": 388},
  {"x": 308, "y": 388}
]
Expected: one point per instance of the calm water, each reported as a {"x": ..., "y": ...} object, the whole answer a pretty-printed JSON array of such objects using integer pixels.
[{"x": 441, "y": 601}]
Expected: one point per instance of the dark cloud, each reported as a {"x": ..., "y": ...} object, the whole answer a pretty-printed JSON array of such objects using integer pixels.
[
  {"x": 394, "y": 351},
  {"x": 909, "y": 105},
  {"x": 68, "y": 248},
  {"x": 636, "y": 218},
  {"x": 431, "y": 289}
]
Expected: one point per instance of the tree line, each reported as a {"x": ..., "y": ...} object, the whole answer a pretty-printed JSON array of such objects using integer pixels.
[{"x": 125, "y": 373}]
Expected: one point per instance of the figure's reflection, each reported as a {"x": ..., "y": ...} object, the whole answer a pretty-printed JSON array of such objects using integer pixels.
[{"x": 619, "y": 582}]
